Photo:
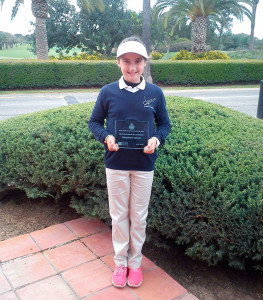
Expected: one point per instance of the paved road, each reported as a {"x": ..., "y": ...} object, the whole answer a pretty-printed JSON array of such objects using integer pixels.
[{"x": 242, "y": 99}]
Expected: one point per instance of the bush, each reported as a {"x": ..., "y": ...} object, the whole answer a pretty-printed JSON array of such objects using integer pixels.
[
  {"x": 156, "y": 55},
  {"x": 50, "y": 74},
  {"x": 46, "y": 74},
  {"x": 206, "y": 72},
  {"x": 210, "y": 55},
  {"x": 81, "y": 56},
  {"x": 208, "y": 187}
]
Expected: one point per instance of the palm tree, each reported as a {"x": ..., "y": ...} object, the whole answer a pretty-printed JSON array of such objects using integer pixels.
[
  {"x": 198, "y": 12},
  {"x": 40, "y": 12},
  {"x": 91, "y": 5},
  {"x": 146, "y": 33},
  {"x": 253, "y": 4}
]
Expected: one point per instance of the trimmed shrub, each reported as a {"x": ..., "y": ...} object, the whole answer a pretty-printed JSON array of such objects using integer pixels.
[
  {"x": 156, "y": 55},
  {"x": 206, "y": 72},
  {"x": 208, "y": 187},
  {"x": 209, "y": 55},
  {"x": 44, "y": 74},
  {"x": 48, "y": 74},
  {"x": 81, "y": 56}
]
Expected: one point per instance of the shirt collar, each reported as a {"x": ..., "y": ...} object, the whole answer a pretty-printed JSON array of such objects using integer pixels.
[{"x": 123, "y": 85}]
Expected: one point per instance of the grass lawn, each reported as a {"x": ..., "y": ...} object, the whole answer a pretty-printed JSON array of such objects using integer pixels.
[
  {"x": 52, "y": 51},
  {"x": 23, "y": 52},
  {"x": 17, "y": 52}
]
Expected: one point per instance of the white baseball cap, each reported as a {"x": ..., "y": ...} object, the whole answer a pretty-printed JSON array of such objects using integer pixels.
[{"x": 132, "y": 47}]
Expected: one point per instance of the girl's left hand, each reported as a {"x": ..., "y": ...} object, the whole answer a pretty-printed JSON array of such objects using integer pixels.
[{"x": 150, "y": 148}]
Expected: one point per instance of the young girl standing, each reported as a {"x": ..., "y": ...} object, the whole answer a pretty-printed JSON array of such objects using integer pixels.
[{"x": 137, "y": 123}]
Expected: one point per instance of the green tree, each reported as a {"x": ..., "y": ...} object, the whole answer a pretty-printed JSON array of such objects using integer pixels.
[
  {"x": 235, "y": 41},
  {"x": 253, "y": 5},
  {"x": 198, "y": 13},
  {"x": 62, "y": 25},
  {"x": 40, "y": 12},
  {"x": 102, "y": 31},
  {"x": 7, "y": 40},
  {"x": 216, "y": 27}
]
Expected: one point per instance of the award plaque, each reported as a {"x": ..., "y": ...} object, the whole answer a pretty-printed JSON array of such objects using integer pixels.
[{"x": 131, "y": 134}]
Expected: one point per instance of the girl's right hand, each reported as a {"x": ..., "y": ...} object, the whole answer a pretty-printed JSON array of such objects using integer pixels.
[{"x": 110, "y": 141}]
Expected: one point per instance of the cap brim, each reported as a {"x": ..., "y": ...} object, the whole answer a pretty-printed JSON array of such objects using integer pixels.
[{"x": 132, "y": 47}]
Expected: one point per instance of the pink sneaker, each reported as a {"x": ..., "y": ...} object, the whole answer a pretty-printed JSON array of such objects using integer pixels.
[
  {"x": 135, "y": 277},
  {"x": 119, "y": 276}
]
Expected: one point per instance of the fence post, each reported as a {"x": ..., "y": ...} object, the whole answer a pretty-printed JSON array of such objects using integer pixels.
[{"x": 260, "y": 102}]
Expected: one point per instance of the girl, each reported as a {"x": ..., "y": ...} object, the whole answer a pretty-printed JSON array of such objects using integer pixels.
[{"x": 137, "y": 123}]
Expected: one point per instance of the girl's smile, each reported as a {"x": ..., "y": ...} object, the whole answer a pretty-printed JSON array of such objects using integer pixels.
[{"x": 132, "y": 66}]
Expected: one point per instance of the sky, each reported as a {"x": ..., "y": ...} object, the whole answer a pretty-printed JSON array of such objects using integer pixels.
[{"x": 21, "y": 23}]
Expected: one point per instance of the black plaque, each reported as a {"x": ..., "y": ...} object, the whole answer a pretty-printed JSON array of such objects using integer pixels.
[{"x": 132, "y": 134}]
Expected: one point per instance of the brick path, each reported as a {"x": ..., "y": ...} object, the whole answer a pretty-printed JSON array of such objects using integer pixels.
[{"x": 74, "y": 260}]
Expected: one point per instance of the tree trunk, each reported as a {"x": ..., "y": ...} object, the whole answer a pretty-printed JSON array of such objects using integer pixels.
[
  {"x": 219, "y": 38},
  {"x": 39, "y": 10},
  {"x": 146, "y": 36},
  {"x": 198, "y": 34},
  {"x": 167, "y": 52},
  {"x": 41, "y": 39},
  {"x": 253, "y": 20}
]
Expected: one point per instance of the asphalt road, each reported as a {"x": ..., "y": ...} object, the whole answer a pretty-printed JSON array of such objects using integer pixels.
[{"x": 244, "y": 100}]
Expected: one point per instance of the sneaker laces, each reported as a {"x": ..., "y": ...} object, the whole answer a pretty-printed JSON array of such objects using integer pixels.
[{"x": 121, "y": 270}]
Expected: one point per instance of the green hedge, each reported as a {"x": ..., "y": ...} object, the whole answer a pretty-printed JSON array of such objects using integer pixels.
[
  {"x": 45, "y": 74},
  {"x": 207, "y": 72},
  {"x": 208, "y": 187}
]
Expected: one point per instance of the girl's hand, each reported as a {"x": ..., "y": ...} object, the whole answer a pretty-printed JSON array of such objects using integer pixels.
[
  {"x": 150, "y": 148},
  {"x": 110, "y": 141}
]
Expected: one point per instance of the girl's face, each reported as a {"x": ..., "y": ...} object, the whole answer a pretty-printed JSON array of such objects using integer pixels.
[{"x": 132, "y": 66}]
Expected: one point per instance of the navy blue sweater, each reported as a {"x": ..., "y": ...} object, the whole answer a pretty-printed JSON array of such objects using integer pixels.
[{"x": 113, "y": 104}]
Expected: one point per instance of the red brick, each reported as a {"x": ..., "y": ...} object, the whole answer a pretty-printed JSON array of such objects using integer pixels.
[
  {"x": 27, "y": 270},
  {"x": 88, "y": 278},
  {"x": 8, "y": 296},
  {"x": 69, "y": 255},
  {"x": 4, "y": 285},
  {"x": 100, "y": 243},
  {"x": 52, "y": 236},
  {"x": 114, "y": 293},
  {"x": 52, "y": 288},
  {"x": 83, "y": 227},
  {"x": 16, "y": 247},
  {"x": 158, "y": 285}
]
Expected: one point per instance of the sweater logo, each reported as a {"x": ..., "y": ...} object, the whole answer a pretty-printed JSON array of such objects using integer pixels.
[
  {"x": 131, "y": 126},
  {"x": 149, "y": 103}
]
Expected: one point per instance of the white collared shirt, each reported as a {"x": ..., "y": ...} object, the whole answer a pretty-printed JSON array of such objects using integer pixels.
[{"x": 140, "y": 86}]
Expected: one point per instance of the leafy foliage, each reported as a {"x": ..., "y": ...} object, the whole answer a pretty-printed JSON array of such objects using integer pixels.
[
  {"x": 36, "y": 74},
  {"x": 81, "y": 56},
  {"x": 208, "y": 187},
  {"x": 156, "y": 55},
  {"x": 102, "y": 31},
  {"x": 206, "y": 72},
  {"x": 62, "y": 25},
  {"x": 209, "y": 55},
  {"x": 33, "y": 74}
]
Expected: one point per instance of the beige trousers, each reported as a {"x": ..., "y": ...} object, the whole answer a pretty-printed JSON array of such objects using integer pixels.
[{"x": 129, "y": 195}]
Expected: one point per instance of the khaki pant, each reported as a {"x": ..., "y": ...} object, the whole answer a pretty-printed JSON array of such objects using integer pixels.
[{"x": 129, "y": 195}]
